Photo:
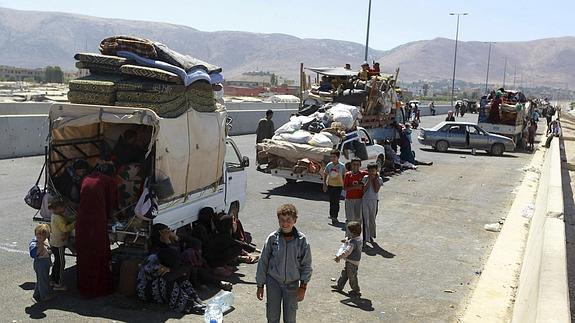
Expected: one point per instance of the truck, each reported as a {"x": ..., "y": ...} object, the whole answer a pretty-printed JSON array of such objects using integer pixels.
[
  {"x": 175, "y": 149},
  {"x": 357, "y": 143},
  {"x": 377, "y": 98},
  {"x": 513, "y": 115}
]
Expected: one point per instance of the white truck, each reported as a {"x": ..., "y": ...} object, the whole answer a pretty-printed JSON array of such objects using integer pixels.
[
  {"x": 375, "y": 154},
  {"x": 191, "y": 155}
]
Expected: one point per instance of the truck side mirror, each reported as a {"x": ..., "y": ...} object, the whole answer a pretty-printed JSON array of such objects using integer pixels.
[{"x": 245, "y": 161}]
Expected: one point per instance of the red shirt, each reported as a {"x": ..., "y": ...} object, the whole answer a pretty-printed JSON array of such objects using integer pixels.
[{"x": 352, "y": 179}]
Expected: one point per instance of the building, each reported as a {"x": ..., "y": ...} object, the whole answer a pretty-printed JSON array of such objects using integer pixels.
[
  {"x": 251, "y": 79},
  {"x": 11, "y": 73}
]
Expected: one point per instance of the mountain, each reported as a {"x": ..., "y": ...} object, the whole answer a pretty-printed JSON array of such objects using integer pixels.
[
  {"x": 540, "y": 62},
  {"x": 37, "y": 39}
]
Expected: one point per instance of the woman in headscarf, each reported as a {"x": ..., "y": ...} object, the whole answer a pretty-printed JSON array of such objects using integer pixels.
[
  {"x": 98, "y": 199},
  {"x": 161, "y": 279},
  {"x": 494, "y": 109}
]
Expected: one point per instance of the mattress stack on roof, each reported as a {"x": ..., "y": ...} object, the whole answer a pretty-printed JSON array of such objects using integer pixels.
[{"x": 141, "y": 73}]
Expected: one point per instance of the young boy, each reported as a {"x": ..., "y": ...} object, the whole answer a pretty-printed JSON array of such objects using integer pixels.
[
  {"x": 284, "y": 267},
  {"x": 40, "y": 251},
  {"x": 352, "y": 255},
  {"x": 353, "y": 191},
  {"x": 61, "y": 229},
  {"x": 333, "y": 183},
  {"x": 371, "y": 184}
]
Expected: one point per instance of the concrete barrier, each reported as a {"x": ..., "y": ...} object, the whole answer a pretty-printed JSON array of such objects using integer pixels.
[
  {"x": 24, "y": 108},
  {"x": 246, "y": 121},
  {"x": 23, "y": 135},
  {"x": 543, "y": 293}
]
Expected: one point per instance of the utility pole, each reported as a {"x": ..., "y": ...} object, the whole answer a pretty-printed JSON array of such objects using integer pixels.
[
  {"x": 367, "y": 34},
  {"x": 455, "y": 56},
  {"x": 514, "y": 75},
  {"x": 504, "y": 71},
  {"x": 488, "y": 62}
]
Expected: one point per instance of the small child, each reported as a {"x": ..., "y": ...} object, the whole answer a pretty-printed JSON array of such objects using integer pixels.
[
  {"x": 351, "y": 252},
  {"x": 40, "y": 252},
  {"x": 284, "y": 267},
  {"x": 371, "y": 184},
  {"x": 333, "y": 183},
  {"x": 61, "y": 229}
]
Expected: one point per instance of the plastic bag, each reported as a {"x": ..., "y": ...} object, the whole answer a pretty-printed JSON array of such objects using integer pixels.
[
  {"x": 299, "y": 137},
  {"x": 320, "y": 140},
  {"x": 290, "y": 127}
]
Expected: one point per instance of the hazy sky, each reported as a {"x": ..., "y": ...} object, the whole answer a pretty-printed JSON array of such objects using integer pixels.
[{"x": 393, "y": 22}]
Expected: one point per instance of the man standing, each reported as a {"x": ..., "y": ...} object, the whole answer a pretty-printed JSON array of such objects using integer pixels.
[{"x": 265, "y": 130}]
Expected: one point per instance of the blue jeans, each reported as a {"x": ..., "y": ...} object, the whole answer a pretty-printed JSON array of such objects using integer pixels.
[
  {"x": 42, "y": 268},
  {"x": 278, "y": 293}
]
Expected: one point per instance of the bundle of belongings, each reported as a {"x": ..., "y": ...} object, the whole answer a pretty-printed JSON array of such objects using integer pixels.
[
  {"x": 304, "y": 143},
  {"x": 141, "y": 73}
]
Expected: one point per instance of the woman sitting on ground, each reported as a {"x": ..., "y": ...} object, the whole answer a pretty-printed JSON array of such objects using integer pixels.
[{"x": 162, "y": 279}]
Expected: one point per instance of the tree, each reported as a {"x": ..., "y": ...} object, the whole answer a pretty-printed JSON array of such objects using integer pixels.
[
  {"x": 54, "y": 74},
  {"x": 274, "y": 80}
]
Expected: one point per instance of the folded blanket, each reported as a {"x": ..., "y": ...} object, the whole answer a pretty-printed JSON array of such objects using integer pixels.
[
  {"x": 140, "y": 46},
  {"x": 150, "y": 97},
  {"x": 101, "y": 59},
  {"x": 152, "y": 73},
  {"x": 142, "y": 85},
  {"x": 188, "y": 77},
  {"x": 184, "y": 61},
  {"x": 96, "y": 83},
  {"x": 98, "y": 68},
  {"x": 171, "y": 109},
  {"x": 83, "y": 97}
]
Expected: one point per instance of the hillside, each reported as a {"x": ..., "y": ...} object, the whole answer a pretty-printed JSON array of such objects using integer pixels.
[{"x": 48, "y": 38}]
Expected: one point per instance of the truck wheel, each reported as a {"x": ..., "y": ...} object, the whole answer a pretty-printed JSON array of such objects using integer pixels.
[
  {"x": 380, "y": 164},
  {"x": 497, "y": 149},
  {"x": 442, "y": 146},
  {"x": 234, "y": 210}
]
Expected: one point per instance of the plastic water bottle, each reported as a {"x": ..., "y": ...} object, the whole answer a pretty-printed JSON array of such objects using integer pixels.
[
  {"x": 213, "y": 314},
  {"x": 224, "y": 300},
  {"x": 219, "y": 304}
]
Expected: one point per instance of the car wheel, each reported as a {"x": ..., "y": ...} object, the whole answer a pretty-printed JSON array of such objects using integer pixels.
[
  {"x": 380, "y": 164},
  {"x": 497, "y": 149},
  {"x": 442, "y": 146}
]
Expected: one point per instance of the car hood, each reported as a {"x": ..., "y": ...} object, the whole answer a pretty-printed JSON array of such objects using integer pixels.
[{"x": 500, "y": 137}]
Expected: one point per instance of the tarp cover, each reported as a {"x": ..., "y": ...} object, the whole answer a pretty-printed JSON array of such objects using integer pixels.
[
  {"x": 190, "y": 149},
  {"x": 294, "y": 152},
  {"x": 333, "y": 71}
]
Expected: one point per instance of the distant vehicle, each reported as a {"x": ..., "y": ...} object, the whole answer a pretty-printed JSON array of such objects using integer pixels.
[
  {"x": 471, "y": 106},
  {"x": 464, "y": 135}
]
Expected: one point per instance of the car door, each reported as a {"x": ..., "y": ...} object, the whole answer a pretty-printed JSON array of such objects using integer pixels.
[
  {"x": 477, "y": 138},
  {"x": 365, "y": 139},
  {"x": 456, "y": 136},
  {"x": 236, "y": 174}
]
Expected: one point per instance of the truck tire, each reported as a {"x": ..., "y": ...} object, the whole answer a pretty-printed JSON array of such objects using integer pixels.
[
  {"x": 442, "y": 146},
  {"x": 497, "y": 149}
]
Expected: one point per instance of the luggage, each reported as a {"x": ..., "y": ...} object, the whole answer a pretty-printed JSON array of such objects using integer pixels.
[{"x": 128, "y": 277}]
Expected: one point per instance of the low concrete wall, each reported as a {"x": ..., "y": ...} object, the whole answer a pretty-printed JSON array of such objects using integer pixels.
[
  {"x": 237, "y": 106},
  {"x": 246, "y": 121},
  {"x": 543, "y": 294},
  {"x": 24, "y": 108},
  {"x": 23, "y": 135}
]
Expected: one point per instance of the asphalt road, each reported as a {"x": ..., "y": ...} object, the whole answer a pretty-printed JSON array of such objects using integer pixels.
[{"x": 431, "y": 244}]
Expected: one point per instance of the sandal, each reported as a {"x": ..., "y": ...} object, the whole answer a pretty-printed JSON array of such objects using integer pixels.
[{"x": 249, "y": 259}]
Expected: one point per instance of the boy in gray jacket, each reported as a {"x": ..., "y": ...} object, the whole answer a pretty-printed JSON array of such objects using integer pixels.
[
  {"x": 284, "y": 267},
  {"x": 351, "y": 252}
]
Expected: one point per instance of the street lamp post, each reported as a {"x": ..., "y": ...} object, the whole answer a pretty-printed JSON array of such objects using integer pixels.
[
  {"x": 488, "y": 62},
  {"x": 504, "y": 71},
  {"x": 455, "y": 56},
  {"x": 367, "y": 34}
]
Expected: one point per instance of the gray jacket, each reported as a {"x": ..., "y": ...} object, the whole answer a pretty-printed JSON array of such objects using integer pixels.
[{"x": 285, "y": 261}]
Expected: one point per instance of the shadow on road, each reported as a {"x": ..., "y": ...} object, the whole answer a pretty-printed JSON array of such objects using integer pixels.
[
  {"x": 361, "y": 303},
  {"x": 477, "y": 153},
  {"x": 376, "y": 250},
  {"x": 303, "y": 190}
]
